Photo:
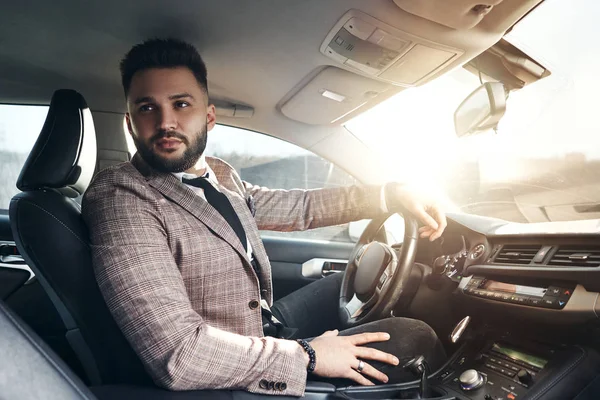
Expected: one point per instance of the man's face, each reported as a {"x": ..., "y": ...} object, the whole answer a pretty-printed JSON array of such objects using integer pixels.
[{"x": 169, "y": 118}]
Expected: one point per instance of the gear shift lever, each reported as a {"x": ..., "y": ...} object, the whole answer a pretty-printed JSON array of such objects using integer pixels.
[
  {"x": 419, "y": 367},
  {"x": 459, "y": 329}
]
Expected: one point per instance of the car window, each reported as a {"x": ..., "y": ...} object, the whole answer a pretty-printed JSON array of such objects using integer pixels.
[
  {"x": 267, "y": 161},
  {"x": 20, "y": 126}
]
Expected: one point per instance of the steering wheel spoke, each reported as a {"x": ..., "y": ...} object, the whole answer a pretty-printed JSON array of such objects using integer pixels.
[
  {"x": 359, "y": 253},
  {"x": 376, "y": 274},
  {"x": 355, "y": 307}
]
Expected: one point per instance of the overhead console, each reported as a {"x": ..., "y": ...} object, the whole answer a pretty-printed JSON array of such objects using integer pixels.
[
  {"x": 369, "y": 61},
  {"x": 366, "y": 60},
  {"x": 369, "y": 46}
]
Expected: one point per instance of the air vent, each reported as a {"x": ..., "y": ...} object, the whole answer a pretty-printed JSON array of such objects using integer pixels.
[
  {"x": 576, "y": 256},
  {"x": 521, "y": 254}
]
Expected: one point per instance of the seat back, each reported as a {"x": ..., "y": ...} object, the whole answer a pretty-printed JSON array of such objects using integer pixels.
[{"x": 53, "y": 239}]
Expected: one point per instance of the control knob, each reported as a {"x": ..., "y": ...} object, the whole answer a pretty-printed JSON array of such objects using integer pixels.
[
  {"x": 524, "y": 377},
  {"x": 471, "y": 379}
]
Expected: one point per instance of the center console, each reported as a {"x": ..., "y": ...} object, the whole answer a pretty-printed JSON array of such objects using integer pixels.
[{"x": 496, "y": 369}]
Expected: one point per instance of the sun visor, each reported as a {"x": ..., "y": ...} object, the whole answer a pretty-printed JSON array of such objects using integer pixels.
[
  {"x": 457, "y": 14},
  {"x": 330, "y": 95},
  {"x": 370, "y": 47}
]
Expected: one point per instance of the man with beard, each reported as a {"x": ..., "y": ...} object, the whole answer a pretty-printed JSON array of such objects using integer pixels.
[{"x": 179, "y": 260}]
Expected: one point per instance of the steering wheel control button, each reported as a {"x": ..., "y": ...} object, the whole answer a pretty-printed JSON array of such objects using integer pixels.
[
  {"x": 471, "y": 379},
  {"x": 253, "y": 304},
  {"x": 382, "y": 280},
  {"x": 360, "y": 252},
  {"x": 477, "y": 252}
]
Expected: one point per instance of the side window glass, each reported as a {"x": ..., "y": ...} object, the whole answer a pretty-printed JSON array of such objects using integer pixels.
[
  {"x": 267, "y": 161},
  {"x": 20, "y": 126}
]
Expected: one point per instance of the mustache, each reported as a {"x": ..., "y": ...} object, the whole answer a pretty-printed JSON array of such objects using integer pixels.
[{"x": 162, "y": 134}]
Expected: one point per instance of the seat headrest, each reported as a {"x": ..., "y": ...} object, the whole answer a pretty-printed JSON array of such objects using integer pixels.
[{"x": 64, "y": 155}]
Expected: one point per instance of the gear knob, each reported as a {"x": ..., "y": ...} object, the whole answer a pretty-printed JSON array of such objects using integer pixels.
[{"x": 459, "y": 329}]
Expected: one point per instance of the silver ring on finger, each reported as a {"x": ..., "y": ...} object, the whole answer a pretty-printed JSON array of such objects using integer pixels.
[{"x": 361, "y": 366}]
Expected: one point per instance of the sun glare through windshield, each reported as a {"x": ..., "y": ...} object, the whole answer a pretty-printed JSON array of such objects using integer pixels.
[{"x": 544, "y": 162}]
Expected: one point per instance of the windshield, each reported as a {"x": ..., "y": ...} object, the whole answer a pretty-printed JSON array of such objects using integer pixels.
[{"x": 543, "y": 164}]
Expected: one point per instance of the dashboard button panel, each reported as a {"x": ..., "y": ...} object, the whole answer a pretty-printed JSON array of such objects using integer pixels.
[{"x": 553, "y": 297}]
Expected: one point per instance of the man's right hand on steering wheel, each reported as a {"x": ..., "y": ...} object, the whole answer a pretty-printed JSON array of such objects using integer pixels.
[{"x": 426, "y": 209}]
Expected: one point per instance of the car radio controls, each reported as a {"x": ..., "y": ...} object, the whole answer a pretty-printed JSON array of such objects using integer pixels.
[
  {"x": 524, "y": 377},
  {"x": 553, "y": 297},
  {"x": 471, "y": 379}
]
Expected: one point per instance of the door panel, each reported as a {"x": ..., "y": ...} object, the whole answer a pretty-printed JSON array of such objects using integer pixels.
[{"x": 288, "y": 256}]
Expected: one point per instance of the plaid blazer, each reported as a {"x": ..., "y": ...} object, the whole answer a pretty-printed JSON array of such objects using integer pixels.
[{"x": 180, "y": 285}]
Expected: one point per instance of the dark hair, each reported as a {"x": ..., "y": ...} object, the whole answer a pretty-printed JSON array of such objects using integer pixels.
[{"x": 162, "y": 53}]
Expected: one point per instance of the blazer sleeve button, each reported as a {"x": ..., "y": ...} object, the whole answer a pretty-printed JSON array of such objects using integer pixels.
[
  {"x": 271, "y": 385},
  {"x": 263, "y": 384},
  {"x": 253, "y": 304}
]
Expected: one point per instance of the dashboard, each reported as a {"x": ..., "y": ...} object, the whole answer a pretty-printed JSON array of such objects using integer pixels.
[
  {"x": 537, "y": 271},
  {"x": 532, "y": 292}
]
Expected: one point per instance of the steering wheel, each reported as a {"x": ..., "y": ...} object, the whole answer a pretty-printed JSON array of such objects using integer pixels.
[{"x": 376, "y": 276}]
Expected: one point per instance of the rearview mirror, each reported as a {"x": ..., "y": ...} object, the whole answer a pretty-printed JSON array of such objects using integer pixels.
[{"x": 481, "y": 110}]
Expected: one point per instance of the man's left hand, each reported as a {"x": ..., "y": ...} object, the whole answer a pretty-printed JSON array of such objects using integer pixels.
[{"x": 425, "y": 208}]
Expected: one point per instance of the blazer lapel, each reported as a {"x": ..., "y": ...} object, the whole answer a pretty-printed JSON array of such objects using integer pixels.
[{"x": 173, "y": 189}]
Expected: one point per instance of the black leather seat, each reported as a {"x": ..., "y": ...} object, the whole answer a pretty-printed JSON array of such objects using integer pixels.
[
  {"x": 29, "y": 368},
  {"x": 52, "y": 238}
]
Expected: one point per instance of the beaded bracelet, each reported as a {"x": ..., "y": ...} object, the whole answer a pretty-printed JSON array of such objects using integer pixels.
[{"x": 312, "y": 356}]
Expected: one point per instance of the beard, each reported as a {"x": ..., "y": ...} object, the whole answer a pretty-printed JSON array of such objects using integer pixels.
[{"x": 189, "y": 158}]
